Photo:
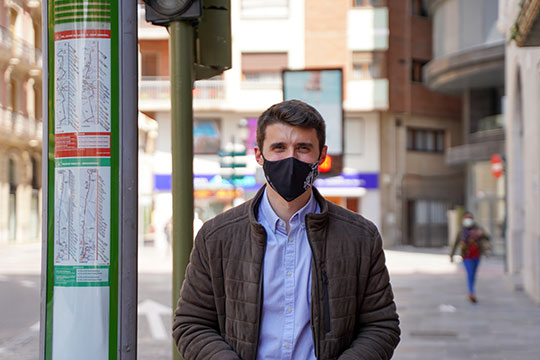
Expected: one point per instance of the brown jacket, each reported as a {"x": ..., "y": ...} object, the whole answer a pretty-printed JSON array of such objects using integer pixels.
[{"x": 353, "y": 314}]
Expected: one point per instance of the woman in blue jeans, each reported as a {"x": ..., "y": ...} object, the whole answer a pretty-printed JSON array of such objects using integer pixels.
[{"x": 473, "y": 242}]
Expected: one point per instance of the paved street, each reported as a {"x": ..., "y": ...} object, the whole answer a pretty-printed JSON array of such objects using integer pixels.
[{"x": 437, "y": 321}]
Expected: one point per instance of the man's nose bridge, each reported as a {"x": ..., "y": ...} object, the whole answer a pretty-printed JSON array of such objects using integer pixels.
[{"x": 290, "y": 152}]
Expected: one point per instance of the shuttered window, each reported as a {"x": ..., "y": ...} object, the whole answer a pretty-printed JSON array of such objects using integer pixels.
[{"x": 263, "y": 67}]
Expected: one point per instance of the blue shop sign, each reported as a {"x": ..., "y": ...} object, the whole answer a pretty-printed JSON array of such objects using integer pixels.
[
  {"x": 163, "y": 182},
  {"x": 364, "y": 180}
]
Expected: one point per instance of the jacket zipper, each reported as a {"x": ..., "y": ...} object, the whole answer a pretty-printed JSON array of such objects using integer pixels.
[
  {"x": 314, "y": 333},
  {"x": 259, "y": 303},
  {"x": 327, "y": 325}
]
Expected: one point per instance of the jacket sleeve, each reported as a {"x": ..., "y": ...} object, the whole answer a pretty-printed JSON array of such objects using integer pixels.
[
  {"x": 195, "y": 325},
  {"x": 456, "y": 242},
  {"x": 378, "y": 323}
]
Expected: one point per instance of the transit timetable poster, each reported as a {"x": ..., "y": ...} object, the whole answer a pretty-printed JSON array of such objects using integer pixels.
[{"x": 82, "y": 119}]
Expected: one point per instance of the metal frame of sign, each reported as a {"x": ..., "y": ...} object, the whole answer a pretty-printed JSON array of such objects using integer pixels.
[
  {"x": 316, "y": 92},
  {"x": 90, "y": 180}
]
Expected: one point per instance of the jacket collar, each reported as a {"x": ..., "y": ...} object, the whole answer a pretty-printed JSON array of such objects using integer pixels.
[{"x": 314, "y": 222}]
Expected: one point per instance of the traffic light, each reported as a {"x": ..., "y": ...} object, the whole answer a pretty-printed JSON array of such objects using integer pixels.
[
  {"x": 213, "y": 39},
  {"x": 326, "y": 165},
  {"x": 162, "y": 12},
  {"x": 332, "y": 166},
  {"x": 212, "y": 28}
]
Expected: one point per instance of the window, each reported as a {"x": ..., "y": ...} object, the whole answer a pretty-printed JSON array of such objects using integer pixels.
[
  {"x": 416, "y": 70},
  {"x": 12, "y": 21},
  {"x": 418, "y": 8},
  {"x": 263, "y": 67},
  {"x": 368, "y": 65},
  {"x": 37, "y": 101},
  {"x": 486, "y": 109},
  {"x": 150, "y": 64},
  {"x": 13, "y": 95},
  {"x": 427, "y": 140},
  {"x": 427, "y": 222},
  {"x": 370, "y": 3},
  {"x": 12, "y": 202},
  {"x": 34, "y": 202},
  {"x": 267, "y": 9},
  {"x": 355, "y": 134}
]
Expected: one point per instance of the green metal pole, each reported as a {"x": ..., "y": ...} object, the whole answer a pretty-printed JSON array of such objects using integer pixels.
[{"x": 181, "y": 48}]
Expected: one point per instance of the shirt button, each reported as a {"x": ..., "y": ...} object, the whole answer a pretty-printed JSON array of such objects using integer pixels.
[
  {"x": 289, "y": 273},
  {"x": 289, "y": 310},
  {"x": 291, "y": 239},
  {"x": 287, "y": 346}
]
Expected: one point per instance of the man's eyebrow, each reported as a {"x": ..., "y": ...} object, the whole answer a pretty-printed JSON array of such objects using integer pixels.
[
  {"x": 276, "y": 144},
  {"x": 306, "y": 144}
]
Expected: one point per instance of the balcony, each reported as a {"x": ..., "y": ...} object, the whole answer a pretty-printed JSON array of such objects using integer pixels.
[
  {"x": 366, "y": 95},
  {"x": 16, "y": 126},
  {"x": 155, "y": 94},
  {"x": 19, "y": 51},
  {"x": 5, "y": 43}
]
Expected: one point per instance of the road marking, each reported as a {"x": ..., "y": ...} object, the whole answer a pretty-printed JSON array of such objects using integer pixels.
[
  {"x": 27, "y": 283},
  {"x": 446, "y": 308},
  {"x": 153, "y": 311},
  {"x": 35, "y": 327}
]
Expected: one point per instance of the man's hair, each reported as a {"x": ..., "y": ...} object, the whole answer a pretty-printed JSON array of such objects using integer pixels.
[{"x": 293, "y": 113}]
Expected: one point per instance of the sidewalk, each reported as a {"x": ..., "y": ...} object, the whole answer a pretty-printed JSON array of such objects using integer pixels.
[
  {"x": 25, "y": 259},
  {"x": 438, "y": 322},
  {"x": 20, "y": 259}
]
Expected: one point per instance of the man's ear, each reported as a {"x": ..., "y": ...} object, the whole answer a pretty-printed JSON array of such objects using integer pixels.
[
  {"x": 258, "y": 155},
  {"x": 323, "y": 154}
]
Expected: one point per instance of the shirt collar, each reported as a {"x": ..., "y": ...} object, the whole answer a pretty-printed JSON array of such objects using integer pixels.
[{"x": 267, "y": 213}]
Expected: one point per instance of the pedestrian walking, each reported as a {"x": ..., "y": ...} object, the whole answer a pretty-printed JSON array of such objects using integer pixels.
[
  {"x": 287, "y": 274},
  {"x": 473, "y": 243}
]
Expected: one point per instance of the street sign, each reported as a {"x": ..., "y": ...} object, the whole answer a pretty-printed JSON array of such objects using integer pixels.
[
  {"x": 497, "y": 167},
  {"x": 90, "y": 196}
]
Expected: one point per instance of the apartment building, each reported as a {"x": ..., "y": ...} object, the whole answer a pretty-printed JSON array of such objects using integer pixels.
[
  {"x": 20, "y": 121},
  {"x": 267, "y": 38},
  {"x": 468, "y": 61},
  {"x": 518, "y": 21},
  {"x": 420, "y": 126}
]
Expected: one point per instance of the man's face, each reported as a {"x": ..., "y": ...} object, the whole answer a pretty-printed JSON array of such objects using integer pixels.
[{"x": 282, "y": 141}]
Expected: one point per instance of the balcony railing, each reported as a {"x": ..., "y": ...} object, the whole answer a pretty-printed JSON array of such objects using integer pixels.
[
  {"x": 154, "y": 88},
  {"x": 19, "y": 125},
  {"x": 5, "y": 38},
  {"x": 205, "y": 92},
  {"x": 26, "y": 51},
  {"x": 20, "y": 48}
]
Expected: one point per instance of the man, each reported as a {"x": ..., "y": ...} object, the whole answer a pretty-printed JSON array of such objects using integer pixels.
[{"x": 287, "y": 275}]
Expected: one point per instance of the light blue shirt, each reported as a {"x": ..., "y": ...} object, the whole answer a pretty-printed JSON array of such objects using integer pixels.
[{"x": 285, "y": 332}]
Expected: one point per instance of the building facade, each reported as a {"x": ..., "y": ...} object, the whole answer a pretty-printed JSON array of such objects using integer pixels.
[
  {"x": 468, "y": 61},
  {"x": 518, "y": 21},
  {"x": 267, "y": 38},
  {"x": 20, "y": 121},
  {"x": 418, "y": 187}
]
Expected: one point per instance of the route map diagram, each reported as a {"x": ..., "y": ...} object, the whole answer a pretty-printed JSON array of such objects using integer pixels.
[
  {"x": 82, "y": 206},
  {"x": 83, "y": 85}
]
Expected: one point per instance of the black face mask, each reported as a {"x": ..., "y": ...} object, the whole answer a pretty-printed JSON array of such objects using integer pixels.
[{"x": 290, "y": 177}]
